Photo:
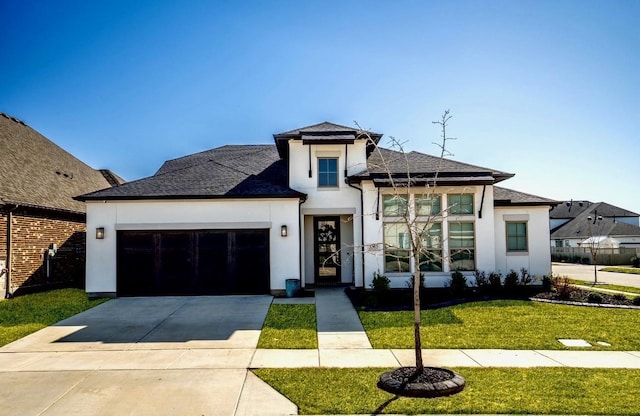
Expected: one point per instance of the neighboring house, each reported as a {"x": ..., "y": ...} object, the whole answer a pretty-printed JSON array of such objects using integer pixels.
[
  {"x": 42, "y": 228},
  {"x": 571, "y": 227},
  {"x": 316, "y": 206}
]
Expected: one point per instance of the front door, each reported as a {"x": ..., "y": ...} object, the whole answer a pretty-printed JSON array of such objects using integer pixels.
[{"x": 327, "y": 244}]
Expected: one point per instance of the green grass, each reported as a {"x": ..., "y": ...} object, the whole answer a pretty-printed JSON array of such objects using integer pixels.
[
  {"x": 628, "y": 289},
  {"x": 23, "y": 315},
  {"x": 629, "y": 270},
  {"x": 508, "y": 324},
  {"x": 570, "y": 391},
  {"x": 289, "y": 326}
]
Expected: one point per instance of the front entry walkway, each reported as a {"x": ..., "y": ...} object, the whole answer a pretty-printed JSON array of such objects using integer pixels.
[{"x": 339, "y": 326}]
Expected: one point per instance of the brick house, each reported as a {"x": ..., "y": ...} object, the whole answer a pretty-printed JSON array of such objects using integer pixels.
[{"x": 42, "y": 229}]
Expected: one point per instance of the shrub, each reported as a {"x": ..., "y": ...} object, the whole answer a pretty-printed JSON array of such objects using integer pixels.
[
  {"x": 380, "y": 282},
  {"x": 635, "y": 261},
  {"x": 495, "y": 280},
  {"x": 546, "y": 282},
  {"x": 594, "y": 298},
  {"x": 409, "y": 282},
  {"x": 563, "y": 287},
  {"x": 458, "y": 282},
  {"x": 619, "y": 297},
  {"x": 525, "y": 277},
  {"x": 511, "y": 279},
  {"x": 481, "y": 279},
  {"x": 636, "y": 301}
]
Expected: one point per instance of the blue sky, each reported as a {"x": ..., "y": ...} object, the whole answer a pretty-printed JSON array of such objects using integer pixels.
[{"x": 548, "y": 90}]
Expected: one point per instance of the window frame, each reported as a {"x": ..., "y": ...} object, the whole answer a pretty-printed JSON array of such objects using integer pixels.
[
  {"x": 462, "y": 252},
  {"x": 457, "y": 208},
  {"x": 397, "y": 251},
  {"x": 431, "y": 251},
  {"x": 508, "y": 237},
  {"x": 433, "y": 200},
  {"x": 397, "y": 210},
  {"x": 326, "y": 172}
]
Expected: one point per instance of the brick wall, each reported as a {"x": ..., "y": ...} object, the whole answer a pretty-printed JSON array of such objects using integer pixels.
[{"x": 32, "y": 233}]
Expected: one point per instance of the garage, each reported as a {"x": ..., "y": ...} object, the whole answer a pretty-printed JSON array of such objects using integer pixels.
[{"x": 192, "y": 262}]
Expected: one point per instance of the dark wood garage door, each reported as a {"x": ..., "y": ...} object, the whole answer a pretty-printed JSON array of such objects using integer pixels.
[{"x": 193, "y": 262}]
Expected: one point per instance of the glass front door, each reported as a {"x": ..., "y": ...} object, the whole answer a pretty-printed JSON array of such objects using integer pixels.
[{"x": 327, "y": 244}]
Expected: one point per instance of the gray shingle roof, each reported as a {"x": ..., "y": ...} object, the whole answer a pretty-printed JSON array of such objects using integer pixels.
[
  {"x": 509, "y": 197},
  {"x": 234, "y": 171},
  {"x": 322, "y": 132},
  {"x": 581, "y": 227},
  {"x": 423, "y": 166},
  {"x": 571, "y": 209},
  {"x": 34, "y": 171}
]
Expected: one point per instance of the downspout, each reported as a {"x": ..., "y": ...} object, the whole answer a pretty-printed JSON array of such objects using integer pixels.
[
  {"x": 346, "y": 156},
  {"x": 300, "y": 242},
  {"x": 361, "y": 229},
  {"x": 309, "y": 160},
  {"x": 8, "y": 294},
  {"x": 484, "y": 188}
]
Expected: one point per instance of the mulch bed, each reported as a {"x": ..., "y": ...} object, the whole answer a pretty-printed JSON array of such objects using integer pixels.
[{"x": 582, "y": 296}]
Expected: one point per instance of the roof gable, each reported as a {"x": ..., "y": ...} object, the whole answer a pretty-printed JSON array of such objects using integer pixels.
[{"x": 34, "y": 171}]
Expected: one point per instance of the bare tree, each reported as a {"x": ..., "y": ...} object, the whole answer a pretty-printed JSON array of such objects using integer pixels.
[
  {"x": 594, "y": 227},
  {"x": 421, "y": 246}
]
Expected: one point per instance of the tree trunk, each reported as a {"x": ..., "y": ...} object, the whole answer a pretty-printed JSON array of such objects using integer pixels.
[{"x": 416, "y": 319}]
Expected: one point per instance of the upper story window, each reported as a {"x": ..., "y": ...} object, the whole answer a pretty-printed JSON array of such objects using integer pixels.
[
  {"x": 427, "y": 205},
  {"x": 394, "y": 205},
  {"x": 328, "y": 172},
  {"x": 461, "y": 204}
]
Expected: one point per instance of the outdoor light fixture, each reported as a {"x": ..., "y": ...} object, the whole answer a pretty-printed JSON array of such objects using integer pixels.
[
  {"x": 283, "y": 231},
  {"x": 100, "y": 233}
]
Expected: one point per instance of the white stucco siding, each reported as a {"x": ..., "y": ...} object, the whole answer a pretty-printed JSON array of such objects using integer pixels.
[
  {"x": 537, "y": 258},
  {"x": 194, "y": 215}
]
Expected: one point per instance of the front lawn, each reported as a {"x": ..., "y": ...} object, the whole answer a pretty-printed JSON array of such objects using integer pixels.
[
  {"x": 566, "y": 391},
  {"x": 23, "y": 315},
  {"x": 507, "y": 324},
  {"x": 289, "y": 326}
]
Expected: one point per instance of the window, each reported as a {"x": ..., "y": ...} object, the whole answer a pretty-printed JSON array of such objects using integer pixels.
[
  {"x": 461, "y": 204},
  {"x": 431, "y": 256},
  {"x": 427, "y": 205},
  {"x": 462, "y": 245},
  {"x": 396, "y": 251},
  {"x": 327, "y": 172},
  {"x": 516, "y": 236},
  {"x": 394, "y": 205}
]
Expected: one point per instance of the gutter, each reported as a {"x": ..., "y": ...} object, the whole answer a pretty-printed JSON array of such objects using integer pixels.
[{"x": 361, "y": 228}]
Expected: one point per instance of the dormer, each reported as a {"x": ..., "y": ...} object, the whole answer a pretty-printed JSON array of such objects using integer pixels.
[{"x": 322, "y": 155}]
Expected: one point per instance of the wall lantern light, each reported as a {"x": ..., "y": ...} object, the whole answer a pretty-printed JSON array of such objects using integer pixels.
[
  {"x": 100, "y": 233},
  {"x": 283, "y": 231}
]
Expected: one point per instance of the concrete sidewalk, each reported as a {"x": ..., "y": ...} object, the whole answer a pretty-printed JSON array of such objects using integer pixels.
[{"x": 170, "y": 356}]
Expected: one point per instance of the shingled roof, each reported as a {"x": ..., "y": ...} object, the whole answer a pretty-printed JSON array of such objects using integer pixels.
[
  {"x": 508, "y": 197},
  {"x": 36, "y": 172},
  {"x": 581, "y": 227},
  {"x": 323, "y": 133},
  {"x": 423, "y": 167},
  {"x": 234, "y": 171},
  {"x": 571, "y": 209}
]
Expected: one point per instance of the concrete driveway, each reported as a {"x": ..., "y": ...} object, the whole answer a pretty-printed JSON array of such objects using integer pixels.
[
  {"x": 585, "y": 272},
  {"x": 131, "y": 356}
]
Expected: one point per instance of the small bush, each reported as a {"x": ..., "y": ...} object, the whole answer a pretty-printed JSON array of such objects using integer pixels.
[
  {"x": 636, "y": 301},
  {"x": 409, "y": 282},
  {"x": 619, "y": 297},
  {"x": 563, "y": 287},
  {"x": 511, "y": 279},
  {"x": 546, "y": 282},
  {"x": 458, "y": 283},
  {"x": 481, "y": 279},
  {"x": 495, "y": 280},
  {"x": 380, "y": 282},
  {"x": 594, "y": 298},
  {"x": 525, "y": 277},
  {"x": 635, "y": 261}
]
